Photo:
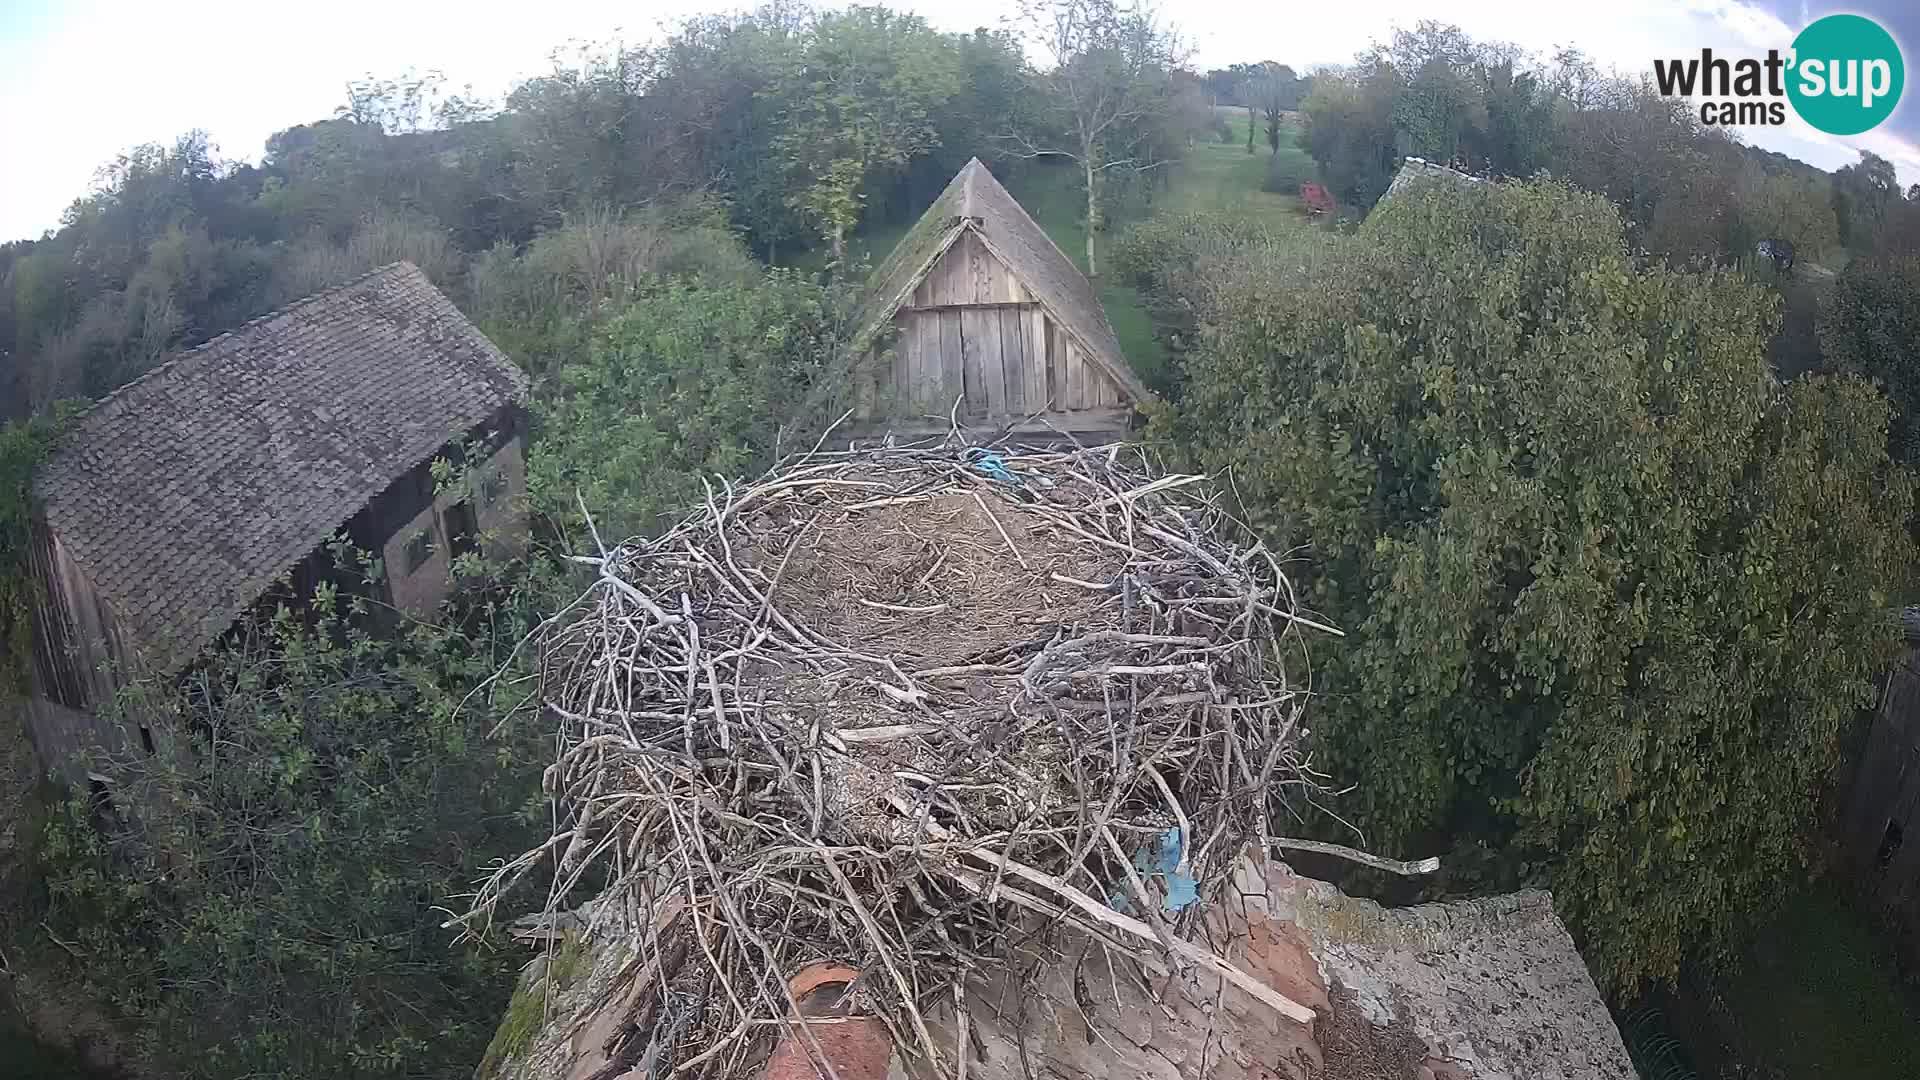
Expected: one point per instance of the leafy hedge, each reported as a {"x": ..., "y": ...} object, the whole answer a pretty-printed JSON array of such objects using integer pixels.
[
  {"x": 23, "y": 446},
  {"x": 1612, "y": 596},
  {"x": 278, "y": 908},
  {"x": 690, "y": 378},
  {"x": 1870, "y": 327}
]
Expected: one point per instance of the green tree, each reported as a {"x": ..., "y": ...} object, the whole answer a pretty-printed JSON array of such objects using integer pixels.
[
  {"x": 1786, "y": 207},
  {"x": 24, "y": 444},
  {"x": 324, "y": 796},
  {"x": 1277, "y": 91},
  {"x": 1100, "y": 102},
  {"x": 715, "y": 82},
  {"x": 858, "y": 100},
  {"x": 687, "y": 381},
  {"x": 1349, "y": 131},
  {"x": 1863, "y": 194},
  {"x": 1611, "y": 596},
  {"x": 1870, "y": 327}
]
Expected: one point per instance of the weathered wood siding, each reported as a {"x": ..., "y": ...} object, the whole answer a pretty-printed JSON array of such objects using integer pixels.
[
  {"x": 972, "y": 331},
  {"x": 81, "y": 658},
  {"x": 1880, "y": 823}
]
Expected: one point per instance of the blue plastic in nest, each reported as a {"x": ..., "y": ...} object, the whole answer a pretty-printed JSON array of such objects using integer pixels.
[{"x": 1161, "y": 860}]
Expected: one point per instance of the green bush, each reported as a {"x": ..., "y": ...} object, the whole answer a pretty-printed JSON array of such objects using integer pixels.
[
  {"x": 1611, "y": 595},
  {"x": 1870, "y": 326},
  {"x": 686, "y": 380},
  {"x": 540, "y": 305},
  {"x": 1182, "y": 262},
  {"x": 24, "y": 444},
  {"x": 1286, "y": 170},
  {"x": 268, "y": 897}
]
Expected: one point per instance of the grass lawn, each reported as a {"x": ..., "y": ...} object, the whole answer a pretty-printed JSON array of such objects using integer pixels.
[
  {"x": 1223, "y": 176},
  {"x": 1052, "y": 195},
  {"x": 1815, "y": 997}
]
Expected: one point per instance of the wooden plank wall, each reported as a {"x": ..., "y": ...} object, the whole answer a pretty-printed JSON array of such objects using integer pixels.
[
  {"x": 79, "y": 651},
  {"x": 972, "y": 330},
  {"x": 1885, "y": 792},
  {"x": 79, "y": 665},
  {"x": 969, "y": 274}
]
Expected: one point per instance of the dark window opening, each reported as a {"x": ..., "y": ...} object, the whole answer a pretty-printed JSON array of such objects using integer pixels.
[
  {"x": 146, "y": 739},
  {"x": 463, "y": 533},
  {"x": 1889, "y": 845},
  {"x": 419, "y": 550},
  {"x": 494, "y": 488},
  {"x": 100, "y": 798}
]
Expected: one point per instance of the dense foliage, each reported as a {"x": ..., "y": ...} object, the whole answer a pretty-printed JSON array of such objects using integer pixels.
[
  {"x": 798, "y": 125},
  {"x": 263, "y": 897},
  {"x": 23, "y": 446},
  {"x": 1688, "y": 191},
  {"x": 689, "y": 380},
  {"x": 1612, "y": 594},
  {"x": 1870, "y": 326}
]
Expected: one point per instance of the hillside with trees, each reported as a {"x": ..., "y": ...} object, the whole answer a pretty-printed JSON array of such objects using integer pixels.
[{"x": 1614, "y": 591}]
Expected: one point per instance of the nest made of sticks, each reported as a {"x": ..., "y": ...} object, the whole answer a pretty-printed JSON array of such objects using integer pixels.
[{"x": 898, "y": 709}]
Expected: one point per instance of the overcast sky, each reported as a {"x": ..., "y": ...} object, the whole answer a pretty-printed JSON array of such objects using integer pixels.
[{"x": 82, "y": 80}]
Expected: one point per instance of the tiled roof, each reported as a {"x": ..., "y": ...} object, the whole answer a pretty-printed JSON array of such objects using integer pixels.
[
  {"x": 185, "y": 493},
  {"x": 973, "y": 199},
  {"x": 1413, "y": 170}
]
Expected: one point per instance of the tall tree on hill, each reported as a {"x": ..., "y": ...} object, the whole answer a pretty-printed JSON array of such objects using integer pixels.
[
  {"x": 1103, "y": 99},
  {"x": 1276, "y": 90},
  {"x": 1870, "y": 326},
  {"x": 715, "y": 78},
  {"x": 858, "y": 100},
  {"x": 1863, "y": 192}
]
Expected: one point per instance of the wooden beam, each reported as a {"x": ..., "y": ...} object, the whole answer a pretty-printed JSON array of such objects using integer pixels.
[{"x": 971, "y": 307}]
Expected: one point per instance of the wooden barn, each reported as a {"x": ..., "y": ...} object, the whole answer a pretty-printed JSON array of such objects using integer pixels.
[
  {"x": 978, "y": 318},
  {"x": 213, "y": 483},
  {"x": 1879, "y": 825}
]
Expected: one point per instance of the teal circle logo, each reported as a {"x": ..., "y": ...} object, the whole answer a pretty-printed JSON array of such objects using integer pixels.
[{"x": 1846, "y": 74}]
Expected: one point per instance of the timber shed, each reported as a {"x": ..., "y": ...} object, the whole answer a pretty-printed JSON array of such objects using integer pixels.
[
  {"x": 1879, "y": 826},
  {"x": 213, "y": 484},
  {"x": 978, "y": 319}
]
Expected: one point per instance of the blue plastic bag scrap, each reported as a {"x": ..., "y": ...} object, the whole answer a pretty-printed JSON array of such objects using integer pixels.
[
  {"x": 989, "y": 463},
  {"x": 1161, "y": 860}
]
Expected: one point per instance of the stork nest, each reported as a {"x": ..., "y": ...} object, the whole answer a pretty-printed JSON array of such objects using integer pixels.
[{"x": 899, "y": 710}]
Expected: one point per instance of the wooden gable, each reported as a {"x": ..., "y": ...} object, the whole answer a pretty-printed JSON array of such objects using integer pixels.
[
  {"x": 977, "y": 318},
  {"x": 973, "y": 331}
]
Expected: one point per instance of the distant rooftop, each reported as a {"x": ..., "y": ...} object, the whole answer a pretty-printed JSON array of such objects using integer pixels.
[{"x": 1415, "y": 169}]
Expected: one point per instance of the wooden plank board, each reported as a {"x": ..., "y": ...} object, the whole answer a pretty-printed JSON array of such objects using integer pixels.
[
  {"x": 980, "y": 336},
  {"x": 896, "y": 384},
  {"x": 1037, "y": 350},
  {"x": 1075, "y": 380},
  {"x": 980, "y": 265},
  {"x": 954, "y": 354},
  {"x": 943, "y": 346},
  {"x": 1013, "y": 357},
  {"x": 1050, "y": 345},
  {"x": 1101, "y": 393},
  {"x": 952, "y": 380}
]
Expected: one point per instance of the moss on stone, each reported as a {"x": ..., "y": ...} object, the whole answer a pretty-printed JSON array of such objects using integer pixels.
[{"x": 527, "y": 1011}]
